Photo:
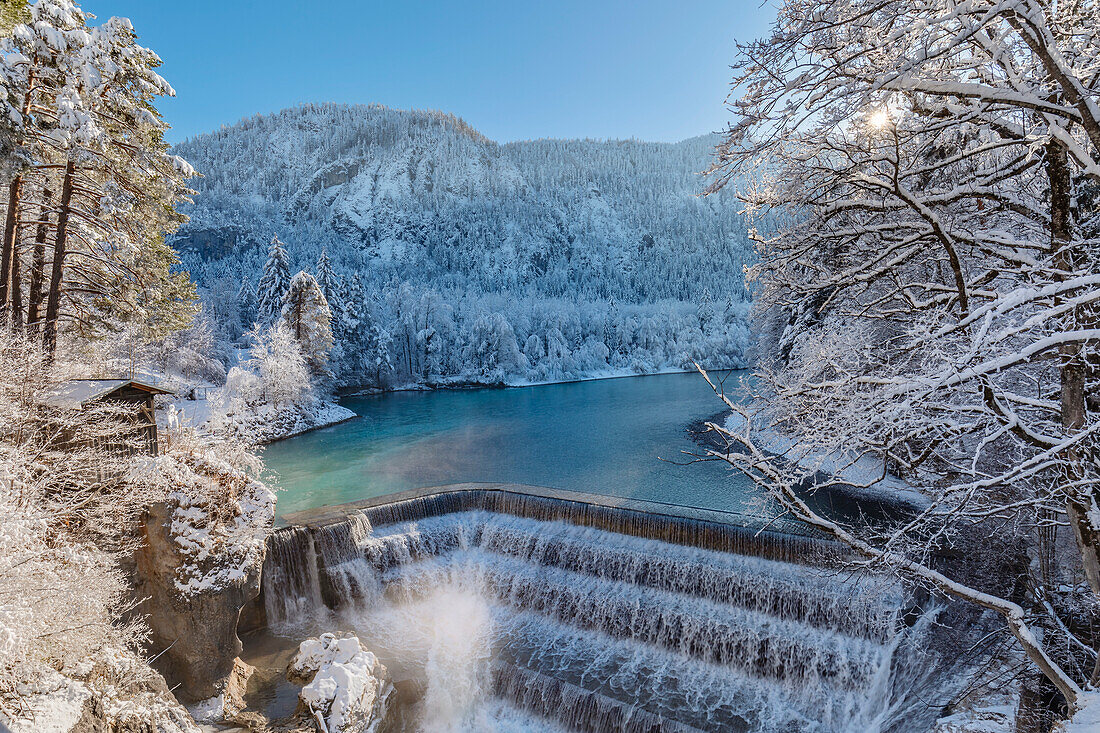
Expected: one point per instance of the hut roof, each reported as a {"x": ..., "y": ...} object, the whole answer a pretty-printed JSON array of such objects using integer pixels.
[{"x": 76, "y": 393}]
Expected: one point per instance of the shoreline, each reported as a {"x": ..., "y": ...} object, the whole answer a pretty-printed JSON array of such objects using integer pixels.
[
  {"x": 844, "y": 502},
  {"x": 347, "y": 392}
]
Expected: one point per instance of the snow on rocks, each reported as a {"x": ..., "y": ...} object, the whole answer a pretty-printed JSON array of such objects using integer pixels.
[
  {"x": 200, "y": 562},
  {"x": 345, "y": 688},
  {"x": 220, "y": 520},
  {"x": 53, "y": 705},
  {"x": 115, "y": 691},
  {"x": 1087, "y": 717},
  {"x": 863, "y": 473},
  {"x": 987, "y": 719}
]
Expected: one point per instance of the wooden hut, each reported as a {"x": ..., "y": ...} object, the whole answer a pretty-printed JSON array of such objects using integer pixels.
[{"x": 79, "y": 393}]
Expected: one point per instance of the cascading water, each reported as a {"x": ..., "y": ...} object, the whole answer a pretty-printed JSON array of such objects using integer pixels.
[{"x": 508, "y": 613}]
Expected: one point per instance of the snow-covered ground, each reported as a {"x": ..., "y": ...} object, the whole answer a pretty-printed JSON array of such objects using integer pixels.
[
  {"x": 864, "y": 473},
  {"x": 201, "y": 406},
  {"x": 1087, "y": 718}
]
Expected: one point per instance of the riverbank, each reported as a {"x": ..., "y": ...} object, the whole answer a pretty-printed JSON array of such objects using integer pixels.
[
  {"x": 461, "y": 383},
  {"x": 864, "y": 500}
]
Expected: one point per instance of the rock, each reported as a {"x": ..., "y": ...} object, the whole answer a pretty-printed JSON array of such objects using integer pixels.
[
  {"x": 194, "y": 634},
  {"x": 116, "y": 693},
  {"x": 228, "y": 704},
  {"x": 345, "y": 688}
]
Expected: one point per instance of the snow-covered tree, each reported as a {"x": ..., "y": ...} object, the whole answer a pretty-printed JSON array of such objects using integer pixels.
[
  {"x": 88, "y": 133},
  {"x": 246, "y": 304},
  {"x": 706, "y": 311},
  {"x": 329, "y": 283},
  {"x": 380, "y": 355},
  {"x": 273, "y": 284},
  {"x": 306, "y": 314},
  {"x": 275, "y": 373},
  {"x": 493, "y": 348},
  {"x": 929, "y": 282}
]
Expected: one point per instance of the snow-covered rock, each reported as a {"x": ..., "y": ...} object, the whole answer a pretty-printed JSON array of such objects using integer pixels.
[
  {"x": 115, "y": 693},
  {"x": 984, "y": 719},
  {"x": 345, "y": 688},
  {"x": 200, "y": 563},
  {"x": 1087, "y": 717}
]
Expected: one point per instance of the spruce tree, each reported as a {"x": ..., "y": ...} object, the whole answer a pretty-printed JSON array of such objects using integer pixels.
[
  {"x": 274, "y": 283},
  {"x": 333, "y": 290},
  {"x": 246, "y": 304}
]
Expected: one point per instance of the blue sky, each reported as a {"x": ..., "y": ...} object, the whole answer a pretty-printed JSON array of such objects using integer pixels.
[{"x": 513, "y": 69}]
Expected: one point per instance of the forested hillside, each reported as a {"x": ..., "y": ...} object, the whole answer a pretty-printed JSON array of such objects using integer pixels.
[{"x": 449, "y": 255}]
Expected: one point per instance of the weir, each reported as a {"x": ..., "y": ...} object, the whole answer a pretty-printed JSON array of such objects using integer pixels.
[{"x": 603, "y": 614}]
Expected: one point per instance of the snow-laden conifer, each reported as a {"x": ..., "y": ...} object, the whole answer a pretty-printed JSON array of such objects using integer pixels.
[{"x": 274, "y": 282}]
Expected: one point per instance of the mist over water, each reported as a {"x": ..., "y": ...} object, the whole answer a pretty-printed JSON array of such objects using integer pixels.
[
  {"x": 500, "y": 622},
  {"x": 604, "y": 436}
]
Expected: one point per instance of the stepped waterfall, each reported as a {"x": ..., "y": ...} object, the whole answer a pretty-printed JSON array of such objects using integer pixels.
[{"x": 506, "y": 610}]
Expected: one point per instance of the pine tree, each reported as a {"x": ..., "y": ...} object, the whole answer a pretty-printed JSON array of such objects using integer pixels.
[
  {"x": 706, "y": 311},
  {"x": 273, "y": 285},
  {"x": 86, "y": 128},
  {"x": 306, "y": 313}
]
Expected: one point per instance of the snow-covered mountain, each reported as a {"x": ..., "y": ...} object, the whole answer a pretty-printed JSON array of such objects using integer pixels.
[{"x": 596, "y": 236}]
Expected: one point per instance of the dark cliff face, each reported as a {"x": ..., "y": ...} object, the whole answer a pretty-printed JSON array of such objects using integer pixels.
[{"x": 212, "y": 242}]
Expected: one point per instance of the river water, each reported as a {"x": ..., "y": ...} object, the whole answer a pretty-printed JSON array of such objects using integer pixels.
[{"x": 621, "y": 437}]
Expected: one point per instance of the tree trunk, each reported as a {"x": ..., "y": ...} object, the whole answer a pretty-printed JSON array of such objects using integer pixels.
[
  {"x": 7, "y": 251},
  {"x": 15, "y": 191},
  {"x": 53, "y": 300},
  {"x": 15, "y": 286},
  {"x": 1073, "y": 367},
  {"x": 38, "y": 264}
]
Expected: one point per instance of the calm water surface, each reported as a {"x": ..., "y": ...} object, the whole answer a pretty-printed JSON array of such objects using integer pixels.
[{"x": 605, "y": 436}]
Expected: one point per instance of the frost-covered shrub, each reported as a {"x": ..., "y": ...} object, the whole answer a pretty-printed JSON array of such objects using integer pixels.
[
  {"x": 280, "y": 367},
  {"x": 270, "y": 395},
  {"x": 56, "y": 599},
  {"x": 195, "y": 353},
  {"x": 69, "y": 503}
]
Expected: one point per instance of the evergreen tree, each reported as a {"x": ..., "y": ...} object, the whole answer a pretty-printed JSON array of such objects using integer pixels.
[
  {"x": 381, "y": 353},
  {"x": 82, "y": 101},
  {"x": 246, "y": 304},
  {"x": 729, "y": 313},
  {"x": 326, "y": 278},
  {"x": 273, "y": 285},
  {"x": 706, "y": 311},
  {"x": 306, "y": 313},
  {"x": 333, "y": 291}
]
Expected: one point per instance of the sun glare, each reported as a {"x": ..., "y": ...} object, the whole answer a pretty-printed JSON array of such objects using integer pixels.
[{"x": 879, "y": 119}]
